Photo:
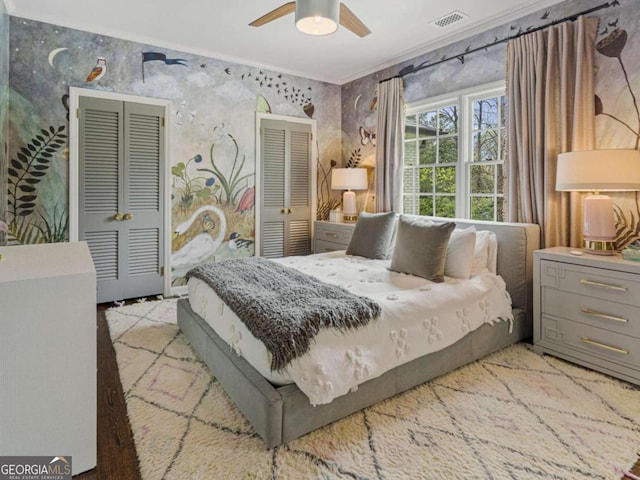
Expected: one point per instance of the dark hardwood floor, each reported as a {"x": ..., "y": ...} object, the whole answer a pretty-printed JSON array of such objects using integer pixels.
[{"x": 117, "y": 458}]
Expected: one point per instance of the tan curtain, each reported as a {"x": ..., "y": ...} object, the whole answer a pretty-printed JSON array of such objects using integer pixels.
[
  {"x": 390, "y": 145},
  {"x": 550, "y": 92}
]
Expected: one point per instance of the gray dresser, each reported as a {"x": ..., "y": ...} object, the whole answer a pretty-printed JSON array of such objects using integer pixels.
[
  {"x": 587, "y": 310},
  {"x": 331, "y": 236}
]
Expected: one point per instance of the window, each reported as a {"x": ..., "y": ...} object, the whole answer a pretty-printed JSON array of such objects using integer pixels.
[{"x": 454, "y": 155}]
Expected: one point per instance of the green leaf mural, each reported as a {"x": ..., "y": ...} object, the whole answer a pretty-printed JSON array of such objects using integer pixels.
[{"x": 31, "y": 163}]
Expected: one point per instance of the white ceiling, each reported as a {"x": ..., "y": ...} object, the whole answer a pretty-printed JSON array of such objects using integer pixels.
[{"x": 400, "y": 29}]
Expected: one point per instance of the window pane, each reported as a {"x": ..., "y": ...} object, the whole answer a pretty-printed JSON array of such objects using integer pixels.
[
  {"x": 446, "y": 207},
  {"x": 482, "y": 208},
  {"x": 426, "y": 180},
  {"x": 428, "y": 151},
  {"x": 410, "y": 127},
  {"x": 448, "y": 150},
  {"x": 500, "y": 179},
  {"x": 448, "y": 120},
  {"x": 503, "y": 111},
  {"x": 485, "y": 146},
  {"x": 426, "y": 206},
  {"x": 410, "y": 204},
  {"x": 503, "y": 144},
  {"x": 500, "y": 213},
  {"x": 445, "y": 179},
  {"x": 485, "y": 113},
  {"x": 482, "y": 179},
  {"x": 428, "y": 123},
  {"x": 410, "y": 157},
  {"x": 410, "y": 180}
]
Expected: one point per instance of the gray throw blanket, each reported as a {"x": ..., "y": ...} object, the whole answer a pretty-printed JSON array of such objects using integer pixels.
[{"x": 282, "y": 307}]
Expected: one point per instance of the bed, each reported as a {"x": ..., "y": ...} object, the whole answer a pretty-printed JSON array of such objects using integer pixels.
[{"x": 280, "y": 413}]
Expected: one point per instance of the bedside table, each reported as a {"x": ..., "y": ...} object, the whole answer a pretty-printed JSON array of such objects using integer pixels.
[
  {"x": 587, "y": 310},
  {"x": 331, "y": 236}
]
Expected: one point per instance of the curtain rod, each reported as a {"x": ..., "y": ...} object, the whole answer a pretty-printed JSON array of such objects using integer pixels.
[{"x": 410, "y": 69}]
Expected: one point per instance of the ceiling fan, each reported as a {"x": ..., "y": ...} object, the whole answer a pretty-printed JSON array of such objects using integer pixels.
[{"x": 317, "y": 17}]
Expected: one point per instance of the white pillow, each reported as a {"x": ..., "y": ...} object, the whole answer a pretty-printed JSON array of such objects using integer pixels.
[
  {"x": 459, "y": 259},
  {"x": 485, "y": 256}
]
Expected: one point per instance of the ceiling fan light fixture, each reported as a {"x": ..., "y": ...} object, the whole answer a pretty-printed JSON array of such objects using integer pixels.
[{"x": 317, "y": 17}]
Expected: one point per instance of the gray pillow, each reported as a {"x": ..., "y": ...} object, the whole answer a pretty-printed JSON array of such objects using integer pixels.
[
  {"x": 421, "y": 248},
  {"x": 372, "y": 235}
]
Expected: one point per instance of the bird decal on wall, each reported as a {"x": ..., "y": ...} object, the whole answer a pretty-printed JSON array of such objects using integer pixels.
[
  {"x": 203, "y": 242},
  {"x": 98, "y": 71},
  {"x": 236, "y": 242}
]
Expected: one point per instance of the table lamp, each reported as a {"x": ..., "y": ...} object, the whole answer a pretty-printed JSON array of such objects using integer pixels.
[
  {"x": 349, "y": 179},
  {"x": 597, "y": 171}
]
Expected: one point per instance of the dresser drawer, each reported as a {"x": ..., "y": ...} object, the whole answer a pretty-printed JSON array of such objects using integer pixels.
[
  {"x": 599, "y": 313},
  {"x": 594, "y": 282},
  {"x": 323, "y": 247},
  {"x": 598, "y": 344},
  {"x": 338, "y": 233}
]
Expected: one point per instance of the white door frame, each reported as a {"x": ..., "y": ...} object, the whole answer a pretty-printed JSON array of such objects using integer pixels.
[
  {"x": 313, "y": 168},
  {"x": 74, "y": 101}
]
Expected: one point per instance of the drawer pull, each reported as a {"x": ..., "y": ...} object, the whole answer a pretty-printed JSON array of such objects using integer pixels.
[
  {"x": 591, "y": 283},
  {"x": 333, "y": 235},
  {"x": 606, "y": 316},
  {"x": 606, "y": 347}
]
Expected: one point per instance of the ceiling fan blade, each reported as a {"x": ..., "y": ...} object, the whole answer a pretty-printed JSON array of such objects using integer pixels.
[
  {"x": 349, "y": 21},
  {"x": 281, "y": 11}
]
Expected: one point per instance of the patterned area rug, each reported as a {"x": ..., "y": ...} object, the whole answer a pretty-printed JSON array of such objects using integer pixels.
[{"x": 511, "y": 415}]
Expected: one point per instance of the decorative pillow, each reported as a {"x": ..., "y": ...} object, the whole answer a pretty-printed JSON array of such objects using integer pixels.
[
  {"x": 459, "y": 259},
  {"x": 486, "y": 252},
  {"x": 421, "y": 248},
  {"x": 372, "y": 235}
]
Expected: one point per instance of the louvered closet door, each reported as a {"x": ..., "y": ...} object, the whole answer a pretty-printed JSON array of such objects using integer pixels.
[
  {"x": 286, "y": 185},
  {"x": 143, "y": 185},
  {"x": 298, "y": 233},
  {"x": 121, "y": 172}
]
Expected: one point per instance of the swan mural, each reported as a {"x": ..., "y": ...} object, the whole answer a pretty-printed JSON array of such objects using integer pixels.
[{"x": 206, "y": 235}]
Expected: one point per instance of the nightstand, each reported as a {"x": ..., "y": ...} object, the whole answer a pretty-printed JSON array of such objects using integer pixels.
[
  {"x": 587, "y": 310},
  {"x": 331, "y": 236}
]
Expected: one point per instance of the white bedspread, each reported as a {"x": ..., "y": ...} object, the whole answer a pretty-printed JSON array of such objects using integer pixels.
[{"x": 418, "y": 317}]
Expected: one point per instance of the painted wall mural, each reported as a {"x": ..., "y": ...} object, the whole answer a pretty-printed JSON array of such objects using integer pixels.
[
  {"x": 212, "y": 132},
  {"x": 617, "y": 86},
  {"x": 4, "y": 117}
]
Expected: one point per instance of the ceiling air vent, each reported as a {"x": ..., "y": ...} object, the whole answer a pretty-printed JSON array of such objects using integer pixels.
[{"x": 449, "y": 19}]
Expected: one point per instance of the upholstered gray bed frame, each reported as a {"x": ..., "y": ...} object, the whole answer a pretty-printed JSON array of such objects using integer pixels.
[{"x": 281, "y": 413}]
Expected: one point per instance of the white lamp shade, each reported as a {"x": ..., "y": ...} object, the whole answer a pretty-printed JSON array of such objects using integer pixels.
[
  {"x": 317, "y": 17},
  {"x": 598, "y": 170},
  {"x": 348, "y": 179}
]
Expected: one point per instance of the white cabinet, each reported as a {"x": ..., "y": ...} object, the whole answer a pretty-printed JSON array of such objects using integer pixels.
[
  {"x": 587, "y": 310},
  {"x": 48, "y": 352},
  {"x": 330, "y": 236}
]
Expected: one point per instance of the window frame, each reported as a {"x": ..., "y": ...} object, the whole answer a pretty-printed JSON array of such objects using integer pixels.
[{"x": 463, "y": 99}]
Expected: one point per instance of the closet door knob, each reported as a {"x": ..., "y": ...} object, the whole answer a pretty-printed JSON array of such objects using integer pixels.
[
  {"x": 290, "y": 210},
  {"x": 117, "y": 217},
  {"x": 127, "y": 216},
  {"x": 284, "y": 210}
]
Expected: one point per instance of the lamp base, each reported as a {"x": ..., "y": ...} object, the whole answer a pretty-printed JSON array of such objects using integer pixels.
[
  {"x": 600, "y": 247},
  {"x": 599, "y": 226},
  {"x": 350, "y": 218}
]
